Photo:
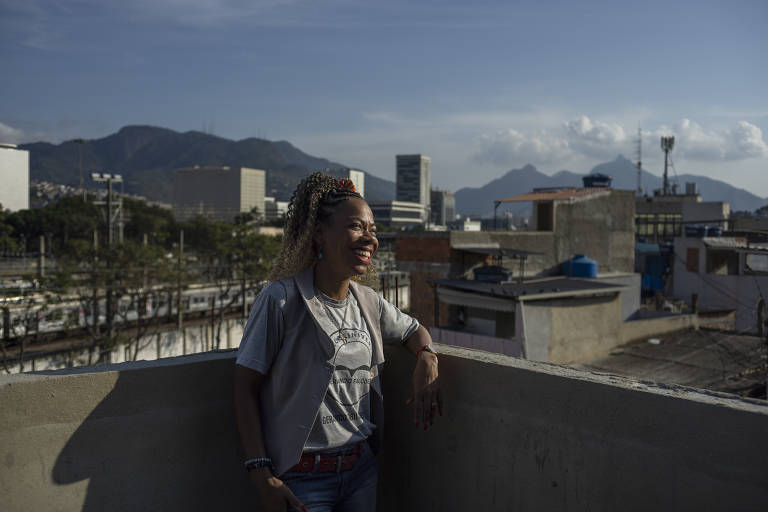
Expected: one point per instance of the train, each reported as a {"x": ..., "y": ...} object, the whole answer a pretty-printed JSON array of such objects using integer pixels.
[{"x": 37, "y": 314}]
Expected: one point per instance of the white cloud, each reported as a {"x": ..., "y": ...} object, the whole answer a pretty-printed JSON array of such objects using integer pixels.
[
  {"x": 741, "y": 141},
  {"x": 595, "y": 132},
  {"x": 512, "y": 147},
  {"x": 586, "y": 139},
  {"x": 748, "y": 138},
  {"x": 10, "y": 135}
]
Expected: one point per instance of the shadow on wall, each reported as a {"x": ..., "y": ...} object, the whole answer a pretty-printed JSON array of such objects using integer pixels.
[{"x": 156, "y": 443}]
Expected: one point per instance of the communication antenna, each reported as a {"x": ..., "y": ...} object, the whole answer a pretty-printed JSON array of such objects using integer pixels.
[
  {"x": 667, "y": 143},
  {"x": 639, "y": 161}
]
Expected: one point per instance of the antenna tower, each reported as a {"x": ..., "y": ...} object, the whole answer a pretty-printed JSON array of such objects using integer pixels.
[
  {"x": 639, "y": 161},
  {"x": 667, "y": 143}
]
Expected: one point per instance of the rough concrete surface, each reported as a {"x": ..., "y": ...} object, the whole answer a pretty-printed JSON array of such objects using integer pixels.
[{"x": 515, "y": 435}]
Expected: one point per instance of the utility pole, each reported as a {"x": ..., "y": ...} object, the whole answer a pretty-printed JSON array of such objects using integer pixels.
[
  {"x": 639, "y": 161},
  {"x": 114, "y": 209},
  {"x": 179, "y": 312},
  {"x": 80, "y": 143}
]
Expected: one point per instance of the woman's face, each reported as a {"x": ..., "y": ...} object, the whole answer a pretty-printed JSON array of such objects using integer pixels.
[{"x": 347, "y": 239}]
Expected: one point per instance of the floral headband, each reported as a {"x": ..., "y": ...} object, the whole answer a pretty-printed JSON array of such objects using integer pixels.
[{"x": 346, "y": 184}]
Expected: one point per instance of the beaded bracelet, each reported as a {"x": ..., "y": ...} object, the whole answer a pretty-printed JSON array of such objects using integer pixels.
[
  {"x": 259, "y": 462},
  {"x": 428, "y": 347}
]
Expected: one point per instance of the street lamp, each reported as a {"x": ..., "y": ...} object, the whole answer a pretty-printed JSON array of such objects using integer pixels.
[{"x": 117, "y": 216}]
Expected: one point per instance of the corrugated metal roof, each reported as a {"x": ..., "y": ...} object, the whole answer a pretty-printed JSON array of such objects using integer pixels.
[
  {"x": 565, "y": 193},
  {"x": 725, "y": 242}
]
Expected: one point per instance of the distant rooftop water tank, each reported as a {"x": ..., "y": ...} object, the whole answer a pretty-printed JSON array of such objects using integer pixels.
[
  {"x": 580, "y": 266},
  {"x": 597, "y": 180}
]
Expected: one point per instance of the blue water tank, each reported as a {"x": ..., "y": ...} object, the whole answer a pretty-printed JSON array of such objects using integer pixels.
[
  {"x": 580, "y": 266},
  {"x": 597, "y": 180}
]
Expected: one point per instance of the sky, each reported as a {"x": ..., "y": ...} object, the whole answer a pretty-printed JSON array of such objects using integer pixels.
[{"x": 481, "y": 87}]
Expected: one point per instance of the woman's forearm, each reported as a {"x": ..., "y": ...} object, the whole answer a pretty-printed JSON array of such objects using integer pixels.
[{"x": 246, "y": 401}]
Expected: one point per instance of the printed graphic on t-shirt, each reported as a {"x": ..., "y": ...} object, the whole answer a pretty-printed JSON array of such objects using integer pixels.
[{"x": 351, "y": 380}]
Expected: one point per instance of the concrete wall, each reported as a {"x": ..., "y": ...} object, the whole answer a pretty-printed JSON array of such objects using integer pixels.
[
  {"x": 630, "y": 296},
  {"x": 647, "y": 328},
  {"x": 718, "y": 292},
  {"x": 515, "y": 435},
  {"x": 750, "y": 224},
  {"x": 603, "y": 228},
  {"x": 580, "y": 329},
  {"x": 526, "y": 436},
  {"x": 506, "y": 346},
  {"x": 707, "y": 212}
]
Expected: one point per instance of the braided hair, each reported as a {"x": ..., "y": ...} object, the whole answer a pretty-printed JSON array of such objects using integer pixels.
[{"x": 314, "y": 200}]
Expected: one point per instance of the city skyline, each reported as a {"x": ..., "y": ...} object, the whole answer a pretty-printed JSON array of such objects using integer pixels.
[{"x": 488, "y": 87}]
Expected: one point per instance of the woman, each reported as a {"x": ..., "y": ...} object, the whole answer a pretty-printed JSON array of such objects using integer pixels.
[{"x": 307, "y": 388}]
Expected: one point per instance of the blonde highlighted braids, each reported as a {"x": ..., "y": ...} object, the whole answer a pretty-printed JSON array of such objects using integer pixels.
[{"x": 313, "y": 201}]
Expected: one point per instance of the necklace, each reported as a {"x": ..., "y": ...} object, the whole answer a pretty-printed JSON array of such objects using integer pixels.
[{"x": 342, "y": 336}]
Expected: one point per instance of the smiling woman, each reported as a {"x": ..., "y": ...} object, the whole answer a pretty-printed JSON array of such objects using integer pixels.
[{"x": 307, "y": 390}]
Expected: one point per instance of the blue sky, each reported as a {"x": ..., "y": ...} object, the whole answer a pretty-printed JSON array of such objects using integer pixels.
[{"x": 482, "y": 87}]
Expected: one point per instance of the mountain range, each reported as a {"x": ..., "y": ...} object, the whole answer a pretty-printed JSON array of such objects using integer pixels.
[
  {"x": 478, "y": 201},
  {"x": 146, "y": 157}
]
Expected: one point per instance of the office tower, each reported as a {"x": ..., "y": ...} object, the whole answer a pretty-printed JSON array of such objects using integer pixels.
[
  {"x": 413, "y": 181},
  {"x": 219, "y": 193},
  {"x": 14, "y": 178},
  {"x": 443, "y": 207}
]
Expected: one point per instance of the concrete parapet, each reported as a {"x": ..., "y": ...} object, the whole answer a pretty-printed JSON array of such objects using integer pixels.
[
  {"x": 516, "y": 435},
  {"x": 646, "y": 328}
]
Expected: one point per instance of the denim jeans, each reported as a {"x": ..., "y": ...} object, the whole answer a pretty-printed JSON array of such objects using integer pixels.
[{"x": 348, "y": 491}]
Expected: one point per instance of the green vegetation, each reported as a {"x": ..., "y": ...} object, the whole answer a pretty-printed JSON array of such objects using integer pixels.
[{"x": 128, "y": 286}]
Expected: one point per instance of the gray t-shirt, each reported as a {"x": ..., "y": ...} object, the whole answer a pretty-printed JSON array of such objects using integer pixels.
[{"x": 344, "y": 415}]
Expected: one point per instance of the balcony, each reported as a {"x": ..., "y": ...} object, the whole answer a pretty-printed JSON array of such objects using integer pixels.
[{"x": 516, "y": 435}]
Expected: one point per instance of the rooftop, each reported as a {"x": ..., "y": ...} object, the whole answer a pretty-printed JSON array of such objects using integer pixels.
[
  {"x": 559, "y": 286},
  {"x": 556, "y": 194},
  {"x": 704, "y": 359},
  {"x": 732, "y": 243}
]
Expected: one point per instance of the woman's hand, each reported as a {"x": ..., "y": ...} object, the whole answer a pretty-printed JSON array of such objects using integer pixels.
[
  {"x": 426, "y": 395},
  {"x": 274, "y": 494}
]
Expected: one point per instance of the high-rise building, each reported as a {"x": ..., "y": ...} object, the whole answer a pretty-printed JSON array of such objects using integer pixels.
[
  {"x": 413, "y": 181},
  {"x": 219, "y": 193},
  {"x": 14, "y": 178},
  {"x": 443, "y": 207},
  {"x": 398, "y": 213}
]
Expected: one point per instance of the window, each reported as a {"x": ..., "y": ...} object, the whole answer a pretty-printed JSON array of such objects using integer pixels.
[
  {"x": 544, "y": 216},
  {"x": 724, "y": 263},
  {"x": 692, "y": 260},
  {"x": 756, "y": 264}
]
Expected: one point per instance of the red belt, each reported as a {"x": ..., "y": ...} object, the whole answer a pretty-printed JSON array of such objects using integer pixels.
[{"x": 328, "y": 463}]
